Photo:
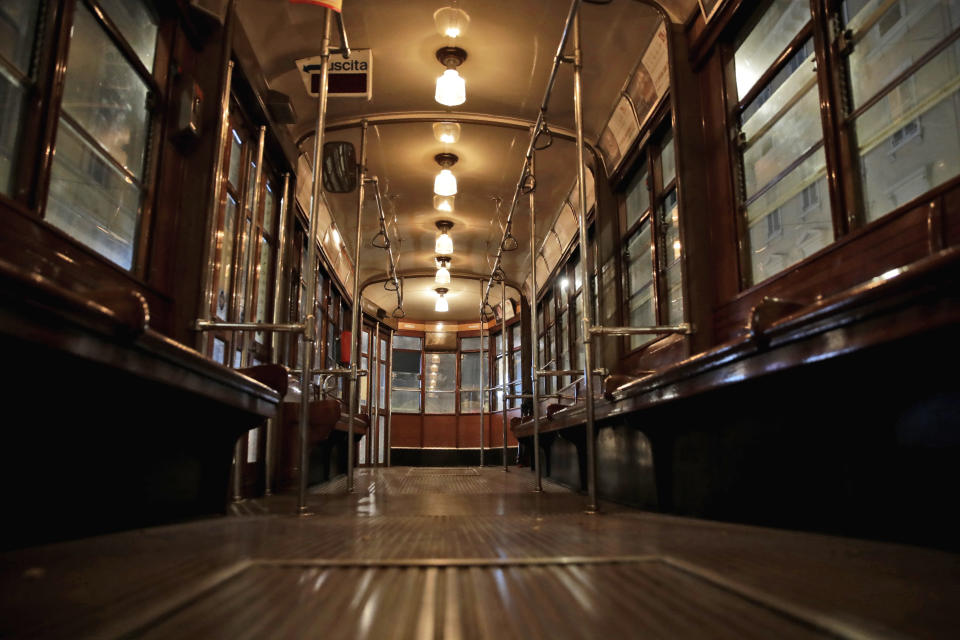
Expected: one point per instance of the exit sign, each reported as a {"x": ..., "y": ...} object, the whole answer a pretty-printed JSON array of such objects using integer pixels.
[{"x": 348, "y": 78}]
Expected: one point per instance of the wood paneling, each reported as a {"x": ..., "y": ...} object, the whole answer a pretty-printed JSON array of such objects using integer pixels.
[
  {"x": 405, "y": 430},
  {"x": 951, "y": 217},
  {"x": 440, "y": 431},
  {"x": 468, "y": 431}
]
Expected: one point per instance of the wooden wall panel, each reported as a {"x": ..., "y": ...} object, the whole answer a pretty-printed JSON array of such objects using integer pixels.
[
  {"x": 440, "y": 431},
  {"x": 951, "y": 217},
  {"x": 496, "y": 429},
  {"x": 468, "y": 431},
  {"x": 405, "y": 430}
]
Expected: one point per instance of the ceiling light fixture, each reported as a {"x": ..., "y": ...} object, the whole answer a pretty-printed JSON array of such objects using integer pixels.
[
  {"x": 445, "y": 184},
  {"x": 443, "y": 272},
  {"x": 444, "y": 244},
  {"x": 446, "y": 132},
  {"x": 441, "y": 301},
  {"x": 451, "y": 22},
  {"x": 451, "y": 88},
  {"x": 443, "y": 203}
]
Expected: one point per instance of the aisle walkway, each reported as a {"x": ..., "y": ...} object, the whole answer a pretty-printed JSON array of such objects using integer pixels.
[{"x": 471, "y": 553}]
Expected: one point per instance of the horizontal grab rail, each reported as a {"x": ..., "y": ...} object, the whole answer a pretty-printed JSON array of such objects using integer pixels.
[
  {"x": 209, "y": 325},
  {"x": 683, "y": 328},
  {"x": 330, "y": 372},
  {"x": 548, "y": 373}
]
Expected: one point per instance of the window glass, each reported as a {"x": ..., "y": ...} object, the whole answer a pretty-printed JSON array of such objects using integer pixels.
[
  {"x": 670, "y": 257},
  {"x": 668, "y": 161},
  {"x": 405, "y": 401},
  {"x": 136, "y": 23},
  {"x": 104, "y": 95},
  {"x": 469, "y": 344},
  {"x": 364, "y": 385},
  {"x": 269, "y": 209},
  {"x": 407, "y": 342},
  {"x": 18, "y": 19},
  {"x": 236, "y": 158},
  {"x": 470, "y": 380},
  {"x": 767, "y": 39},
  {"x": 640, "y": 301},
  {"x": 406, "y": 369},
  {"x": 441, "y": 376},
  {"x": 637, "y": 196},
  {"x": 95, "y": 188},
  {"x": 784, "y": 163},
  {"x": 908, "y": 141},
  {"x": 263, "y": 287}
]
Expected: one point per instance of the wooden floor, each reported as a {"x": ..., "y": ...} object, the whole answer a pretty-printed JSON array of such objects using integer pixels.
[{"x": 471, "y": 553}]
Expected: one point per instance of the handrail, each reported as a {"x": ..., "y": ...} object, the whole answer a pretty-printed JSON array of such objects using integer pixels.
[
  {"x": 558, "y": 59},
  {"x": 684, "y": 328},
  {"x": 387, "y": 245}
]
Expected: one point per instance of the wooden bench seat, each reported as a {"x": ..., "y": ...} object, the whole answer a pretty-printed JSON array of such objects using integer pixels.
[{"x": 102, "y": 406}]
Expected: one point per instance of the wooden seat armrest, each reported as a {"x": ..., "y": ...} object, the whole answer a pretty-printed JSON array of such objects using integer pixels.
[{"x": 274, "y": 376}]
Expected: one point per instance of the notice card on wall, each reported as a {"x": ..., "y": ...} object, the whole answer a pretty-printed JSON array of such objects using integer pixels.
[
  {"x": 621, "y": 131},
  {"x": 655, "y": 61}
]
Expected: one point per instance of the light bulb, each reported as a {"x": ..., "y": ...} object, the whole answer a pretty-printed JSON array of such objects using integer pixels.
[
  {"x": 441, "y": 304},
  {"x": 446, "y": 132},
  {"x": 451, "y": 89},
  {"x": 443, "y": 276},
  {"x": 443, "y": 203},
  {"x": 445, "y": 184},
  {"x": 451, "y": 22},
  {"x": 444, "y": 244}
]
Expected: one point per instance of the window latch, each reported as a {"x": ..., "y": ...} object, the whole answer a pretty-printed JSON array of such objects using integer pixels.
[{"x": 845, "y": 42}]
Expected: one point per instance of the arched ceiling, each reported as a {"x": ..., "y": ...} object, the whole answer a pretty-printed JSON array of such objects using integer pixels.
[{"x": 510, "y": 47}]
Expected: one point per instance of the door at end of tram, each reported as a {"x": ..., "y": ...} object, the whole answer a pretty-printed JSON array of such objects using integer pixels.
[{"x": 375, "y": 358}]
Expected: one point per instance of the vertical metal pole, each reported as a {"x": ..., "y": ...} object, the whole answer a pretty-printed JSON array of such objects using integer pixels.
[
  {"x": 210, "y": 251},
  {"x": 373, "y": 382},
  {"x": 584, "y": 273},
  {"x": 535, "y": 334},
  {"x": 276, "y": 337},
  {"x": 355, "y": 322},
  {"x": 253, "y": 241},
  {"x": 309, "y": 304},
  {"x": 389, "y": 375},
  {"x": 503, "y": 366},
  {"x": 484, "y": 384}
]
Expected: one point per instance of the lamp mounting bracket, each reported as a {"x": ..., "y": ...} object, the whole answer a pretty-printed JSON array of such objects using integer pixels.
[
  {"x": 451, "y": 57},
  {"x": 446, "y": 160}
]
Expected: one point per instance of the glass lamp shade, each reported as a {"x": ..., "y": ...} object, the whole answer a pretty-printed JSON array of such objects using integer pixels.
[
  {"x": 451, "y": 22},
  {"x": 443, "y": 203},
  {"x": 451, "y": 89},
  {"x": 446, "y": 132},
  {"x": 444, "y": 244},
  {"x": 443, "y": 276},
  {"x": 445, "y": 184},
  {"x": 441, "y": 305}
]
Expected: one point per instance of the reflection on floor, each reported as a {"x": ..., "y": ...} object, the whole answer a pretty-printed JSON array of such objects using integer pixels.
[{"x": 471, "y": 553}]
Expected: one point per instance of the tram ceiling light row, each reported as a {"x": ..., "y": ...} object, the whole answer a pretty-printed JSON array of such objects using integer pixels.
[
  {"x": 446, "y": 132},
  {"x": 443, "y": 271},
  {"x": 451, "y": 88},
  {"x": 444, "y": 245},
  {"x": 445, "y": 184},
  {"x": 443, "y": 203},
  {"x": 451, "y": 22},
  {"x": 441, "y": 305}
]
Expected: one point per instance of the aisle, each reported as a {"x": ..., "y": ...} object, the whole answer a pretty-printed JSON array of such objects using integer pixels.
[{"x": 470, "y": 553}]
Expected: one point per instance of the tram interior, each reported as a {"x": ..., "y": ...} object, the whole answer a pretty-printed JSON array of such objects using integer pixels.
[{"x": 474, "y": 319}]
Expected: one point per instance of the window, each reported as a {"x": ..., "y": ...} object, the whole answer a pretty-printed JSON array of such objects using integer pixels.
[
  {"x": 18, "y": 25},
  {"x": 782, "y": 151},
  {"x": 653, "y": 251},
  {"x": 898, "y": 119},
  {"x": 471, "y": 375},
  {"x": 405, "y": 394},
  {"x": 99, "y": 172},
  {"x": 440, "y": 386}
]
